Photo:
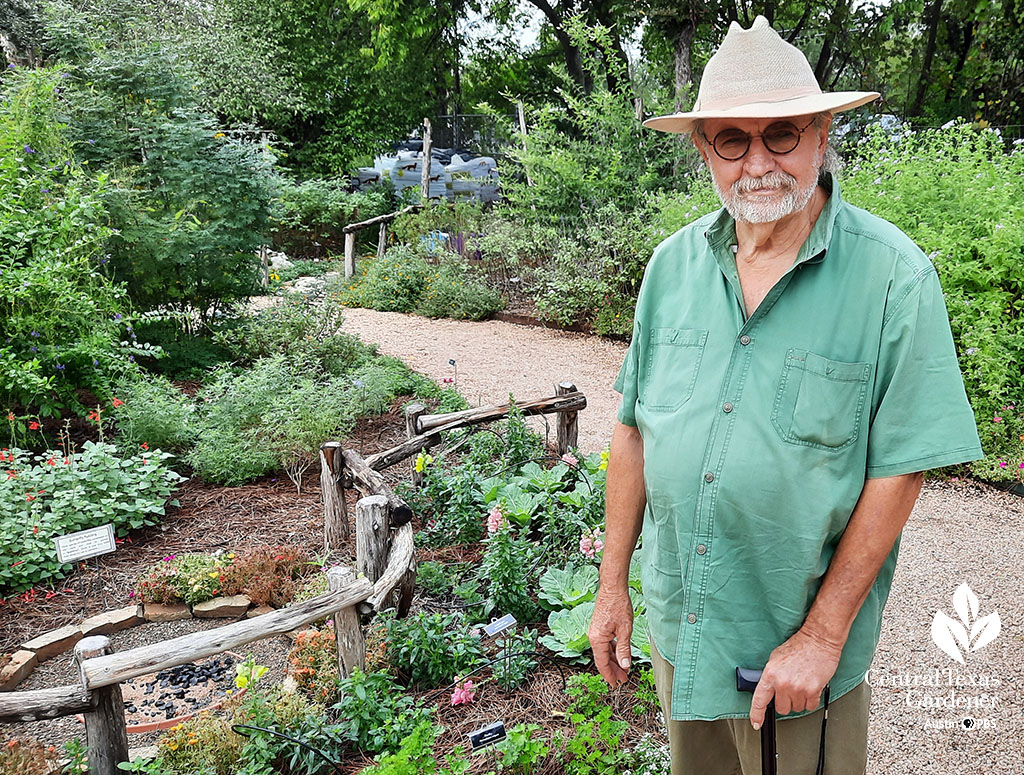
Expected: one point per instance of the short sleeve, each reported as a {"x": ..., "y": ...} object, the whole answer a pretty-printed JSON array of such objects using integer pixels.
[
  {"x": 627, "y": 382},
  {"x": 921, "y": 417}
]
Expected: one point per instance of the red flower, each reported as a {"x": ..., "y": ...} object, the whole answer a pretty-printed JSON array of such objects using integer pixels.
[
  {"x": 35, "y": 529},
  {"x": 11, "y": 417},
  {"x": 12, "y": 474},
  {"x": 33, "y": 426},
  {"x": 30, "y": 498},
  {"x": 19, "y": 562},
  {"x": 117, "y": 402},
  {"x": 93, "y": 416},
  {"x": 144, "y": 445},
  {"x": 52, "y": 461}
]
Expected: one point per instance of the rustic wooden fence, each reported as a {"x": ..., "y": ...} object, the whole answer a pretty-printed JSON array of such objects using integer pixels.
[{"x": 385, "y": 575}]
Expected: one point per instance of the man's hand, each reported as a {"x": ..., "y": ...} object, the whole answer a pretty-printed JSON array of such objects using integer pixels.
[
  {"x": 795, "y": 675},
  {"x": 610, "y": 630}
]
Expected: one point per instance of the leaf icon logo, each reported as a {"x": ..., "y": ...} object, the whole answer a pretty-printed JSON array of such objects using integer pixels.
[{"x": 958, "y": 638}]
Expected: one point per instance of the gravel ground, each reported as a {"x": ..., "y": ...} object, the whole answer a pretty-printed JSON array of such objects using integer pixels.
[{"x": 959, "y": 532}]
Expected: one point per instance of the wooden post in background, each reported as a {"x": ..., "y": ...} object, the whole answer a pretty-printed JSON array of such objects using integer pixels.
[
  {"x": 406, "y": 588},
  {"x": 425, "y": 179},
  {"x": 350, "y": 254},
  {"x": 332, "y": 468},
  {"x": 412, "y": 416},
  {"x": 347, "y": 632},
  {"x": 567, "y": 423},
  {"x": 372, "y": 539},
  {"x": 382, "y": 239},
  {"x": 106, "y": 733}
]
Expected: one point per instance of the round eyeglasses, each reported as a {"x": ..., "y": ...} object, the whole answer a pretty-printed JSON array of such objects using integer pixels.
[{"x": 780, "y": 138}]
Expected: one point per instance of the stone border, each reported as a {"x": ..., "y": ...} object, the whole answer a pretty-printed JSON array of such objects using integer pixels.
[{"x": 56, "y": 642}]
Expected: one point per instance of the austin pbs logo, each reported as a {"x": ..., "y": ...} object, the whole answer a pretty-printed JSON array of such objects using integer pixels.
[{"x": 971, "y": 633}]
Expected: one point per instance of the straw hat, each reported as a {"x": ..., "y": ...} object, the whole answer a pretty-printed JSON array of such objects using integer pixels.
[{"x": 756, "y": 74}]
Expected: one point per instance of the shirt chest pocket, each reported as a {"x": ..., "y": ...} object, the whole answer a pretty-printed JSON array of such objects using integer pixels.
[
  {"x": 672, "y": 362},
  {"x": 820, "y": 402}
]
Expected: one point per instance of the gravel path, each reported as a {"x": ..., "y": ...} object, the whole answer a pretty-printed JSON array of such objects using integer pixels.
[
  {"x": 959, "y": 532},
  {"x": 496, "y": 358}
]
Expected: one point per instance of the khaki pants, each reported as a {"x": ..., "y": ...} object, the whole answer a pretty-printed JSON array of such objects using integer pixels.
[{"x": 733, "y": 747}]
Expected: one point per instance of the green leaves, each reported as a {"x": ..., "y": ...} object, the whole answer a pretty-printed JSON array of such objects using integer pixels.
[
  {"x": 570, "y": 586},
  {"x": 568, "y": 636}
]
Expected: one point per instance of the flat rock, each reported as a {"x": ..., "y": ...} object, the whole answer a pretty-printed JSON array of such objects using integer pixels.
[
  {"x": 166, "y": 612},
  {"x": 233, "y": 606},
  {"x": 260, "y": 610},
  {"x": 17, "y": 670},
  {"x": 112, "y": 621},
  {"x": 54, "y": 642}
]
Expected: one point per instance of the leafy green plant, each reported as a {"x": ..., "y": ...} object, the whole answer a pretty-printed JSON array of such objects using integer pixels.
[
  {"x": 152, "y": 411},
  {"x": 375, "y": 714},
  {"x": 54, "y": 493},
  {"x": 568, "y": 587},
  {"x": 452, "y": 291},
  {"x": 391, "y": 283},
  {"x": 416, "y": 756},
  {"x": 516, "y": 664},
  {"x": 313, "y": 665},
  {"x": 522, "y": 750},
  {"x": 185, "y": 578},
  {"x": 568, "y": 636},
  {"x": 507, "y": 570},
  {"x": 429, "y": 650}
]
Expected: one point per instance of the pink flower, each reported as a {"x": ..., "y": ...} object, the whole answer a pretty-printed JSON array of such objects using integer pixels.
[
  {"x": 567, "y": 458},
  {"x": 591, "y": 543},
  {"x": 1002, "y": 464},
  {"x": 169, "y": 557},
  {"x": 997, "y": 418},
  {"x": 464, "y": 693},
  {"x": 496, "y": 520}
]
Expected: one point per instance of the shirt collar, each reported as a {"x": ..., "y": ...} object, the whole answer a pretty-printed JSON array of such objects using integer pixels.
[{"x": 722, "y": 231}]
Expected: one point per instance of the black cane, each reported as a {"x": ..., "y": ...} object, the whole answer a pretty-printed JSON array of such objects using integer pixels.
[{"x": 746, "y": 681}]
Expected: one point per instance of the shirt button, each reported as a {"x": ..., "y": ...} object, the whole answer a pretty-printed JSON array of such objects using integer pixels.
[
  {"x": 709, "y": 477},
  {"x": 744, "y": 340},
  {"x": 691, "y": 618},
  {"x": 701, "y": 549},
  {"x": 727, "y": 407}
]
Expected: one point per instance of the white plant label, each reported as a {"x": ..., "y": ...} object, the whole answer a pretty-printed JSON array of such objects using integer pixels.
[
  {"x": 85, "y": 544},
  {"x": 972, "y": 632}
]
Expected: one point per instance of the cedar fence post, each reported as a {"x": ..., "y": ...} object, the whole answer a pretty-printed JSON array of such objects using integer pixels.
[
  {"x": 332, "y": 467},
  {"x": 350, "y": 254},
  {"x": 567, "y": 422},
  {"x": 347, "y": 632},
  {"x": 382, "y": 238},
  {"x": 425, "y": 179},
  {"x": 106, "y": 733},
  {"x": 412, "y": 417},
  {"x": 372, "y": 539}
]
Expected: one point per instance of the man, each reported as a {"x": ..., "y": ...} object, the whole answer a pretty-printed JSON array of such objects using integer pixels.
[{"x": 790, "y": 376}]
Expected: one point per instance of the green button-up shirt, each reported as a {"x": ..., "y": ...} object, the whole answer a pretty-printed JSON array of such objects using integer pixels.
[{"x": 758, "y": 435}]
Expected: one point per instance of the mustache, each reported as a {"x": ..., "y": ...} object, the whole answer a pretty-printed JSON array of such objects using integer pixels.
[{"x": 773, "y": 179}]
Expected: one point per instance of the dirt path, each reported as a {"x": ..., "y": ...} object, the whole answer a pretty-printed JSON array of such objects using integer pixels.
[
  {"x": 495, "y": 358},
  {"x": 959, "y": 532}
]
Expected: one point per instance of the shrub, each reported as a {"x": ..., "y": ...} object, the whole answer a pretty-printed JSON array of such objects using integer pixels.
[
  {"x": 392, "y": 283},
  {"x": 306, "y": 334},
  {"x": 27, "y": 757},
  {"x": 461, "y": 219},
  {"x": 54, "y": 493},
  {"x": 189, "y": 203},
  {"x": 204, "y": 743},
  {"x": 63, "y": 321},
  {"x": 507, "y": 569},
  {"x": 179, "y": 353},
  {"x": 152, "y": 411},
  {"x": 451, "y": 291},
  {"x": 429, "y": 650},
  {"x": 960, "y": 196},
  {"x": 375, "y": 713},
  {"x": 310, "y": 215}
]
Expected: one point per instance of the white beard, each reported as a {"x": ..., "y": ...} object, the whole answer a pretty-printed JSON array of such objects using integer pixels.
[{"x": 789, "y": 198}]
